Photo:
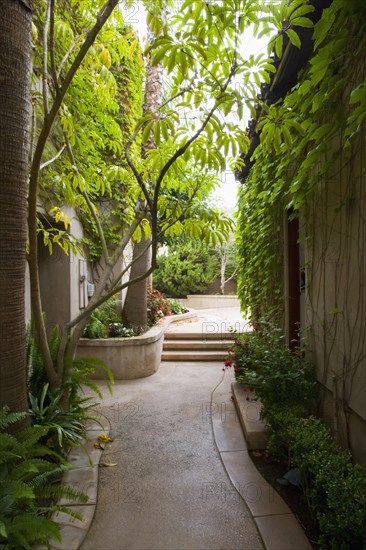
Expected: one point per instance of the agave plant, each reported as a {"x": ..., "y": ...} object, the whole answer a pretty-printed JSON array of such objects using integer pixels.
[
  {"x": 65, "y": 412},
  {"x": 65, "y": 428}
]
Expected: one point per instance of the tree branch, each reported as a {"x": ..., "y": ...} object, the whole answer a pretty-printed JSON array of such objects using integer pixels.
[
  {"x": 52, "y": 46},
  {"x": 233, "y": 275},
  {"x": 120, "y": 275},
  {"x": 136, "y": 173},
  {"x": 178, "y": 94},
  {"x": 184, "y": 147},
  {"x": 45, "y": 60},
  {"x": 65, "y": 58},
  {"x": 48, "y": 162},
  {"x": 93, "y": 213},
  {"x": 48, "y": 122}
]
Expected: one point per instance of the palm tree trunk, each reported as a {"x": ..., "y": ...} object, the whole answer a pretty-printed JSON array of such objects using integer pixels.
[
  {"x": 135, "y": 307},
  {"x": 15, "y": 68}
]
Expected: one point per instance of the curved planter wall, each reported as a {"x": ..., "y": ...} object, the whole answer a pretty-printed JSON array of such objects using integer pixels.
[{"x": 130, "y": 358}]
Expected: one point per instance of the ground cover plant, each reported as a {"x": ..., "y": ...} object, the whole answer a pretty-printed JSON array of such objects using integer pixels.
[
  {"x": 334, "y": 488},
  {"x": 107, "y": 322}
]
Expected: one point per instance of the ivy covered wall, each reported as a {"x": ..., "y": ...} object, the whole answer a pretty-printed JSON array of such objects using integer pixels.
[{"x": 311, "y": 161}]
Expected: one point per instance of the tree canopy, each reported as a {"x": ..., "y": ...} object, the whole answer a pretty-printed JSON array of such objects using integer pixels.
[{"x": 87, "y": 129}]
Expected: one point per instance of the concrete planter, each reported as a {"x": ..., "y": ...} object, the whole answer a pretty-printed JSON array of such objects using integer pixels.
[
  {"x": 249, "y": 413},
  {"x": 130, "y": 358}
]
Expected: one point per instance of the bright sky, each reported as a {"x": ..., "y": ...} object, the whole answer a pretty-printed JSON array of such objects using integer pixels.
[{"x": 135, "y": 15}]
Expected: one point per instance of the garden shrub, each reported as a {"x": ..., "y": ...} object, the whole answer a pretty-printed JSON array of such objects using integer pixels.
[
  {"x": 101, "y": 318},
  {"x": 335, "y": 489},
  {"x": 188, "y": 268},
  {"x": 280, "y": 377},
  {"x": 118, "y": 330},
  {"x": 64, "y": 427},
  {"x": 63, "y": 420},
  {"x": 105, "y": 322},
  {"x": 176, "y": 307},
  {"x": 36, "y": 373}
]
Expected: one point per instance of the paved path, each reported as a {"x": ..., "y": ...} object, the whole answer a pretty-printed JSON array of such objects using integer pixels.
[
  {"x": 208, "y": 321},
  {"x": 169, "y": 489}
]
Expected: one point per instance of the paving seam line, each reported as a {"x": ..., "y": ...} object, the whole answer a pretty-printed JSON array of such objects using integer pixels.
[
  {"x": 303, "y": 541},
  {"x": 220, "y": 455}
]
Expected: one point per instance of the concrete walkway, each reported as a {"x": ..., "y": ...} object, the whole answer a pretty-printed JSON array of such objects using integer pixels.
[
  {"x": 210, "y": 321},
  {"x": 177, "y": 475},
  {"x": 169, "y": 488}
]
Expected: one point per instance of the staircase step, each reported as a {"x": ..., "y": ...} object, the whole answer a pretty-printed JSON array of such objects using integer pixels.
[
  {"x": 202, "y": 336},
  {"x": 190, "y": 345},
  {"x": 179, "y": 355}
]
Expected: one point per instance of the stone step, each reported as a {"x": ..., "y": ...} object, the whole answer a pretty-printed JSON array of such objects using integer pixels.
[
  {"x": 198, "y": 355},
  {"x": 190, "y": 345},
  {"x": 202, "y": 335}
]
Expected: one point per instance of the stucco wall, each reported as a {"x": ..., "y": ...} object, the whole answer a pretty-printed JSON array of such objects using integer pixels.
[
  {"x": 64, "y": 279},
  {"x": 335, "y": 237},
  {"x": 54, "y": 274}
]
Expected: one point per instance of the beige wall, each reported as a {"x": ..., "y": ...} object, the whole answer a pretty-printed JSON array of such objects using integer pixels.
[
  {"x": 55, "y": 285},
  {"x": 335, "y": 259},
  {"x": 64, "y": 279}
]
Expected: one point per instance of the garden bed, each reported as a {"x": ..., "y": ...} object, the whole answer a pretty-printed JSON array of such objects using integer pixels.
[{"x": 132, "y": 357}]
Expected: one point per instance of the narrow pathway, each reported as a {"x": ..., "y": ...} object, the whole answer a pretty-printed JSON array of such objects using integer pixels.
[{"x": 166, "y": 488}]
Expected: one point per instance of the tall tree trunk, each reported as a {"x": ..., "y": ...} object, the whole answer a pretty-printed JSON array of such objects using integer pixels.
[
  {"x": 15, "y": 68},
  {"x": 135, "y": 307}
]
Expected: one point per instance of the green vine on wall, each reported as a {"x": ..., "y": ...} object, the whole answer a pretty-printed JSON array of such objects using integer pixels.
[
  {"x": 260, "y": 244},
  {"x": 86, "y": 154},
  {"x": 301, "y": 136}
]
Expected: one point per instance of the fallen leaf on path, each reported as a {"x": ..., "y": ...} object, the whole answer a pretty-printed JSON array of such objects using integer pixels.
[
  {"x": 105, "y": 438},
  {"x": 108, "y": 464}
]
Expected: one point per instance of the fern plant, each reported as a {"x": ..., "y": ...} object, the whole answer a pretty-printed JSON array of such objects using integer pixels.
[
  {"x": 78, "y": 377},
  {"x": 27, "y": 472}
]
